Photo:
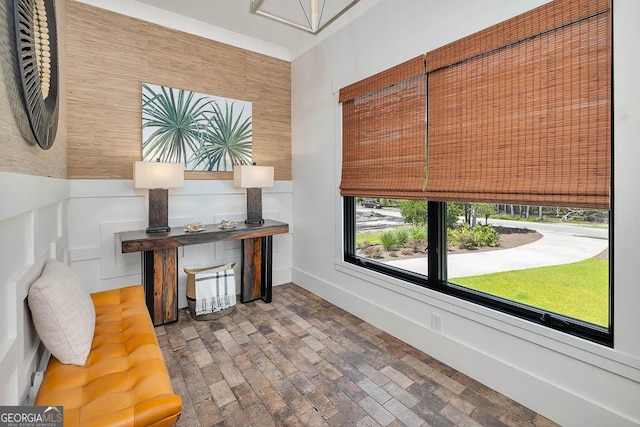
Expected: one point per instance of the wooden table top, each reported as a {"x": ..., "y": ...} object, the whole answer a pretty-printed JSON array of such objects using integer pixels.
[{"x": 139, "y": 240}]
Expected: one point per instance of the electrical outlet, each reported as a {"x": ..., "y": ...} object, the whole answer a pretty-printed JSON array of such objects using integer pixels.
[{"x": 436, "y": 322}]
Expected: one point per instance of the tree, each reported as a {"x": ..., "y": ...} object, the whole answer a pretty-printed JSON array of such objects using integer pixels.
[
  {"x": 484, "y": 210},
  {"x": 454, "y": 211},
  {"x": 414, "y": 211}
]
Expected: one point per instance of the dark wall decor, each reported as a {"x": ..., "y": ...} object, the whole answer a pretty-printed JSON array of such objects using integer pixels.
[{"x": 37, "y": 52}]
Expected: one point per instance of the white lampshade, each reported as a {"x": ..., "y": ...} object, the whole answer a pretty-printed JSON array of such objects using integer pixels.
[
  {"x": 158, "y": 175},
  {"x": 252, "y": 176}
]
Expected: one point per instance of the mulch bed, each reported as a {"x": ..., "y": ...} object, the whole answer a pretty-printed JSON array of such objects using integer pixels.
[{"x": 509, "y": 238}]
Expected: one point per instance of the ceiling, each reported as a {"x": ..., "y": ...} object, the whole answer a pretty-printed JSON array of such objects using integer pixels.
[{"x": 234, "y": 16}]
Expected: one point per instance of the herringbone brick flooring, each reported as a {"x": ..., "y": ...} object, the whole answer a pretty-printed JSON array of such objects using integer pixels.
[{"x": 301, "y": 361}]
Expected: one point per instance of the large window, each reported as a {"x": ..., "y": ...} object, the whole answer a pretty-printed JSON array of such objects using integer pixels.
[
  {"x": 549, "y": 265},
  {"x": 507, "y": 134}
]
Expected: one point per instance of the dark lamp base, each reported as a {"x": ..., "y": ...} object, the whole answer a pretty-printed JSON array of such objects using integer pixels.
[
  {"x": 254, "y": 206},
  {"x": 158, "y": 229},
  {"x": 158, "y": 211}
]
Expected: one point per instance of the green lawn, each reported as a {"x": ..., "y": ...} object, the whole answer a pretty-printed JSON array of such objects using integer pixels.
[
  {"x": 372, "y": 237},
  {"x": 579, "y": 290}
]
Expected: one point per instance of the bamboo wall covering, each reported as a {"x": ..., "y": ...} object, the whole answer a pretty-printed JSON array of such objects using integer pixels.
[
  {"x": 111, "y": 55},
  {"x": 20, "y": 153}
]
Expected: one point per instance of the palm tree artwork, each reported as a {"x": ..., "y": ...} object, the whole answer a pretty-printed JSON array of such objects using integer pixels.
[
  {"x": 204, "y": 132},
  {"x": 226, "y": 140}
]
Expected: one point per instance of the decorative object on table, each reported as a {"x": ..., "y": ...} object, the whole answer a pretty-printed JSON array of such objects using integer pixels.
[
  {"x": 227, "y": 223},
  {"x": 311, "y": 16},
  {"x": 254, "y": 179},
  {"x": 211, "y": 291},
  {"x": 194, "y": 227},
  {"x": 203, "y": 132},
  {"x": 158, "y": 177},
  {"x": 37, "y": 52}
]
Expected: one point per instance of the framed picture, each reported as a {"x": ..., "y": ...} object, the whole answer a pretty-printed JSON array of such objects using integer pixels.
[{"x": 204, "y": 132}]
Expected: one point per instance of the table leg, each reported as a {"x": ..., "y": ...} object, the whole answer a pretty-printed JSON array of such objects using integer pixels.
[
  {"x": 160, "y": 282},
  {"x": 256, "y": 270},
  {"x": 267, "y": 268}
]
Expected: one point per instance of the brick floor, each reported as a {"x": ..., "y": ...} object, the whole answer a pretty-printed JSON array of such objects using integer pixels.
[{"x": 301, "y": 361}]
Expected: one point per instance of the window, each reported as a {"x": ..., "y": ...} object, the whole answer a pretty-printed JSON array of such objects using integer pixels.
[
  {"x": 549, "y": 265},
  {"x": 507, "y": 134},
  {"x": 549, "y": 258}
]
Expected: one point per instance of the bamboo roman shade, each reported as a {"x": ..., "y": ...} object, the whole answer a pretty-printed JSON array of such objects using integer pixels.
[
  {"x": 521, "y": 112},
  {"x": 383, "y": 133}
]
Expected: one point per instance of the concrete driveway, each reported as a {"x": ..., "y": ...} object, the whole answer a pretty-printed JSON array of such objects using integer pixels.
[{"x": 560, "y": 244}]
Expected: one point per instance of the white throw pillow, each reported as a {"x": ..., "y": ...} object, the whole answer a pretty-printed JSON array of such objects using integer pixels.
[{"x": 63, "y": 313}]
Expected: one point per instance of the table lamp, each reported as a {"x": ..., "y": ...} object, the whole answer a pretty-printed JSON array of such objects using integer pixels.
[
  {"x": 158, "y": 177},
  {"x": 254, "y": 179}
]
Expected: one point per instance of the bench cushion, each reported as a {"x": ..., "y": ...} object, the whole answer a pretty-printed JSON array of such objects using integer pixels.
[{"x": 125, "y": 381}]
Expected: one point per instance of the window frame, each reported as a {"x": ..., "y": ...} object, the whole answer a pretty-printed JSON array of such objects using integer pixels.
[{"x": 436, "y": 278}]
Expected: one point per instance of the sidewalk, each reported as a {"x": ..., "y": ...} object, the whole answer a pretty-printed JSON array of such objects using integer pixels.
[{"x": 551, "y": 249}]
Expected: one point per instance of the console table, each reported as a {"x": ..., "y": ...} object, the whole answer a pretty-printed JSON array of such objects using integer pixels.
[{"x": 160, "y": 262}]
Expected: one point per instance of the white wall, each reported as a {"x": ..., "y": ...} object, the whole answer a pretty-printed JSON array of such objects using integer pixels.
[
  {"x": 99, "y": 209},
  {"x": 572, "y": 381},
  {"x": 77, "y": 222},
  {"x": 33, "y": 226}
]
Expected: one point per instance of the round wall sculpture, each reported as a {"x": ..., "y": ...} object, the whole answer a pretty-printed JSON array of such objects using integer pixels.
[{"x": 37, "y": 52}]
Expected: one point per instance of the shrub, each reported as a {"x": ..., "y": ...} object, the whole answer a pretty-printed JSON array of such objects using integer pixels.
[
  {"x": 467, "y": 241},
  {"x": 453, "y": 237},
  {"x": 402, "y": 236},
  {"x": 467, "y": 237},
  {"x": 388, "y": 240},
  {"x": 486, "y": 235},
  {"x": 418, "y": 232}
]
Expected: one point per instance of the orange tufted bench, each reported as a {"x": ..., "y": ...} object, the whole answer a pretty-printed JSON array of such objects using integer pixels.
[{"x": 124, "y": 381}]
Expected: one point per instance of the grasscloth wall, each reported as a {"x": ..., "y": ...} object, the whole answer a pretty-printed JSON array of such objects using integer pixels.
[
  {"x": 19, "y": 151},
  {"x": 110, "y": 56}
]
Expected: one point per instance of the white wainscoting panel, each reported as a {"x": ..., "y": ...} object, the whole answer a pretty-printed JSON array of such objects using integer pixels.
[
  {"x": 33, "y": 228},
  {"x": 100, "y": 209}
]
